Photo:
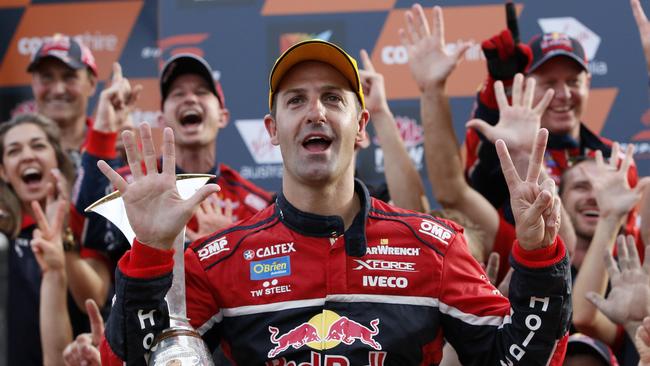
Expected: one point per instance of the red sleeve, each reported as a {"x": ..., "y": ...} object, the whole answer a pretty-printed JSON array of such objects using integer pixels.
[
  {"x": 101, "y": 144},
  {"x": 143, "y": 261},
  {"x": 503, "y": 240},
  {"x": 540, "y": 258},
  {"x": 108, "y": 357}
]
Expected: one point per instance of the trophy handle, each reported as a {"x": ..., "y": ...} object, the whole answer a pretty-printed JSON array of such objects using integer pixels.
[{"x": 112, "y": 208}]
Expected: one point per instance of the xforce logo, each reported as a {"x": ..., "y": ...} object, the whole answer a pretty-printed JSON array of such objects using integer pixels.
[
  {"x": 432, "y": 229},
  {"x": 214, "y": 248},
  {"x": 380, "y": 265}
]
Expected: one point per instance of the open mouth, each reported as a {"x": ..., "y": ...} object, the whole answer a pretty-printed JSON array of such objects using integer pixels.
[
  {"x": 32, "y": 176},
  {"x": 317, "y": 143},
  {"x": 191, "y": 118},
  {"x": 591, "y": 213}
]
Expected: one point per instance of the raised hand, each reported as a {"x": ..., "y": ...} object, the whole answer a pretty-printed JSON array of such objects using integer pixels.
[
  {"x": 116, "y": 103},
  {"x": 210, "y": 217},
  {"x": 644, "y": 28},
  {"x": 155, "y": 210},
  {"x": 430, "y": 61},
  {"x": 642, "y": 342},
  {"x": 535, "y": 207},
  {"x": 47, "y": 242},
  {"x": 519, "y": 120},
  {"x": 628, "y": 302},
  {"x": 611, "y": 186},
  {"x": 83, "y": 351},
  {"x": 374, "y": 90}
]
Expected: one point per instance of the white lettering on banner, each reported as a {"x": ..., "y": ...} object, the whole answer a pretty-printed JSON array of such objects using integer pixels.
[
  {"x": 432, "y": 229},
  {"x": 386, "y": 250},
  {"x": 276, "y": 249},
  {"x": 397, "y": 55},
  {"x": 384, "y": 281},
  {"x": 376, "y": 264},
  {"x": 214, "y": 248},
  {"x": 96, "y": 41}
]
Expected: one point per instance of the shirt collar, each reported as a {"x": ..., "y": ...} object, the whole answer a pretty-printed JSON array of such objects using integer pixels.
[{"x": 329, "y": 226}]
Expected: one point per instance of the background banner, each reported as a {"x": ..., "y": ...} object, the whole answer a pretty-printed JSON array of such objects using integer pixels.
[{"x": 242, "y": 38}]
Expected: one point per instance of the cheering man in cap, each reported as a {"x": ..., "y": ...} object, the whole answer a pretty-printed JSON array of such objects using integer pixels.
[{"x": 328, "y": 275}]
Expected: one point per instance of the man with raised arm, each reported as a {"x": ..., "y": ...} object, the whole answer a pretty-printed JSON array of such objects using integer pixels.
[{"x": 328, "y": 275}]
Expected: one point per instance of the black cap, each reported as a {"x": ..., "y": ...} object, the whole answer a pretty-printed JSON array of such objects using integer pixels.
[
  {"x": 547, "y": 46},
  {"x": 186, "y": 63}
]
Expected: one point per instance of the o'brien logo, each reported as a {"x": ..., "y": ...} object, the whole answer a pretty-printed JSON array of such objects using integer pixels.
[
  {"x": 276, "y": 267},
  {"x": 214, "y": 248},
  {"x": 432, "y": 229}
]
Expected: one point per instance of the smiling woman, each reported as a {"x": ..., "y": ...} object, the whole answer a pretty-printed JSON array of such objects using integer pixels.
[{"x": 32, "y": 163}]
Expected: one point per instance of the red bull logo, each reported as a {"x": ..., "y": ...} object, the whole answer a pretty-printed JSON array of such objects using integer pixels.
[{"x": 324, "y": 331}]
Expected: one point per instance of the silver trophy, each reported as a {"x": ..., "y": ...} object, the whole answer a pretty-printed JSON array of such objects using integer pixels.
[{"x": 180, "y": 344}]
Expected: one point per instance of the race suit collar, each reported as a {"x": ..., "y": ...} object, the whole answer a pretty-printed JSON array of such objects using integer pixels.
[{"x": 329, "y": 226}]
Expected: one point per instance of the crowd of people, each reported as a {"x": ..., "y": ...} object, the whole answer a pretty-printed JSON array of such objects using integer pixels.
[{"x": 537, "y": 256}]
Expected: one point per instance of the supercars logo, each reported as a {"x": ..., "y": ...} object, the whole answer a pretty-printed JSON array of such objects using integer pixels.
[{"x": 324, "y": 331}]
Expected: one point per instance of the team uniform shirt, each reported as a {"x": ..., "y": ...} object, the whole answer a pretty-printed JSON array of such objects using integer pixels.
[
  {"x": 287, "y": 287},
  {"x": 23, "y": 335}
]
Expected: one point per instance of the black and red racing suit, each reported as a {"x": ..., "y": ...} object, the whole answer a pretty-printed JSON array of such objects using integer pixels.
[{"x": 287, "y": 287}]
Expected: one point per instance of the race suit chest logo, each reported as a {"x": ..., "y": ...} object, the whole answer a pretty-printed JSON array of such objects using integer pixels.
[
  {"x": 382, "y": 265},
  {"x": 384, "y": 249},
  {"x": 270, "y": 268},
  {"x": 325, "y": 331},
  {"x": 435, "y": 230},
  {"x": 269, "y": 251},
  {"x": 217, "y": 246}
]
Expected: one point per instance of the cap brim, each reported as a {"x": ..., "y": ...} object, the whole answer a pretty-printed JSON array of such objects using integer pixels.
[
  {"x": 558, "y": 53},
  {"x": 73, "y": 64},
  {"x": 316, "y": 50}
]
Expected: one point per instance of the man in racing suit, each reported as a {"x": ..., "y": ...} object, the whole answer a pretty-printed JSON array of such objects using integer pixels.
[{"x": 328, "y": 275}]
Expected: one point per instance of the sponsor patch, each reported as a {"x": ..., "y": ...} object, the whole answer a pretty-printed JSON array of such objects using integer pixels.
[
  {"x": 270, "y": 268},
  {"x": 382, "y": 265},
  {"x": 385, "y": 281},
  {"x": 270, "y": 251},
  {"x": 271, "y": 287},
  {"x": 434, "y": 230},
  {"x": 214, "y": 248}
]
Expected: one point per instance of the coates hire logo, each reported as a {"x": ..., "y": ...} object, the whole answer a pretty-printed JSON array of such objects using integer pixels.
[
  {"x": 104, "y": 27},
  {"x": 463, "y": 24},
  {"x": 325, "y": 331},
  {"x": 589, "y": 40},
  {"x": 413, "y": 136},
  {"x": 267, "y": 156}
]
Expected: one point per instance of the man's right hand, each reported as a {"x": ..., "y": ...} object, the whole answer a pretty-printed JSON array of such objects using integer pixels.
[
  {"x": 116, "y": 103},
  {"x": 155, "y": 210}
]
